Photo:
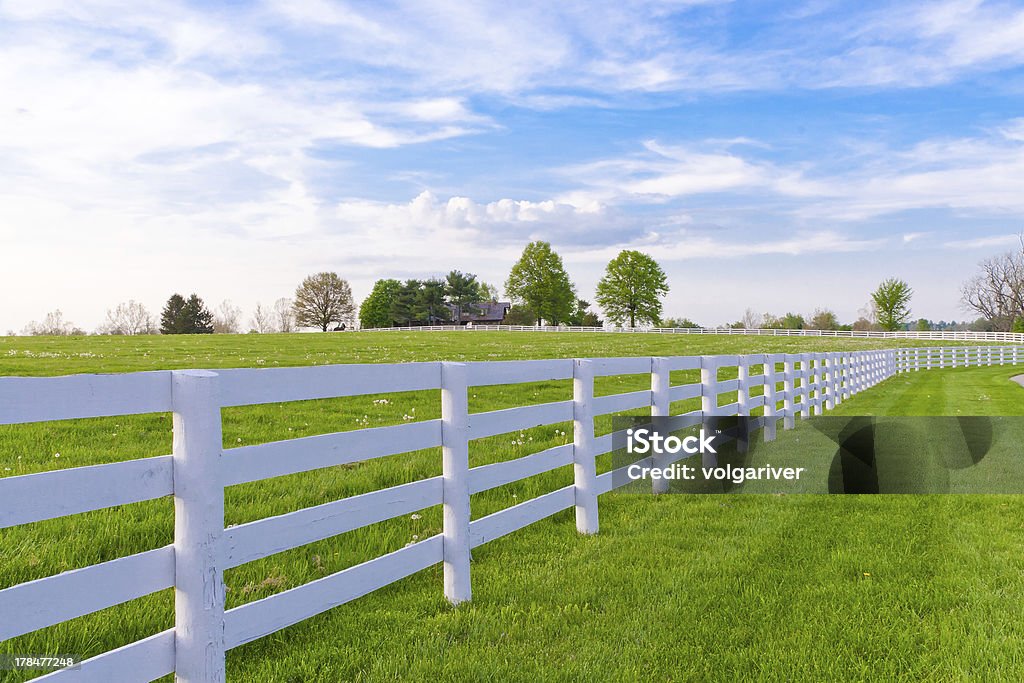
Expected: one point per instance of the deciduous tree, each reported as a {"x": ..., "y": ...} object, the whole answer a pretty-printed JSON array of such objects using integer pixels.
[
  {"x": 632, "y": 288},
  {"x": 997, "y": 292},
  {"x": 375, "y": 311},
  {"x": 129, "y": 318},
  {"x": 892, "y": 303},
  {"x": 538, "y": 281},
  {"x": 227, "y": 319},
  {"x": 322, "y": 300}
]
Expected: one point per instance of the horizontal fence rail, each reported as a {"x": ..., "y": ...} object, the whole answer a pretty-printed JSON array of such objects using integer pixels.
[
  {"x": 199, "y": 469},
  {"x": 933, "y": 335}
]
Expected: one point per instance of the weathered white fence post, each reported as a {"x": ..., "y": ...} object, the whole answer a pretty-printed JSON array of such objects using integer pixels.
[
  {"x": 198, "y": 528},
  {"x": 789, "y": 388},
  {"x": 584, "y": 447},
  {"x": 455, "y": 487},
  {"x": 770, "y": 400},
  {"x": 660, "y": 407}
]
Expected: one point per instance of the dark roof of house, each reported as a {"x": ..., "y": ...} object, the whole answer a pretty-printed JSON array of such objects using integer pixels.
[{"x": 485, "y": 310}]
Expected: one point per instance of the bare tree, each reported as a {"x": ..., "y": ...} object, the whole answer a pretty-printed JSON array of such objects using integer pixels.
[
  {"x": 227, "y": 318},
  {"x": 997, "y": 292},
  {"x": 53, "y": 325},
  {"x": 129, "y": 318},
  {"x": 262, "y": 320},
  {"x": 284, "y": 316},
  {"x": 751, "y": 319}
]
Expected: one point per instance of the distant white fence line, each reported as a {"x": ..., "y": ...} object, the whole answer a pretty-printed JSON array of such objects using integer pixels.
[
  {"x": 944, "y": 335},
  {"x": 199, "y": 469}
]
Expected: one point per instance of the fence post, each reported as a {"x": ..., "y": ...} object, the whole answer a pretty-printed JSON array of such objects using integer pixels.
[
  {"x": 829, "y": 377},
  {"x": 805, "y": 389},
  {"x": 769, "y": 397},
  {"x": 788, "y": 386},
  {"x": 708, "y": 399},
  {"x": 743, "y": 401},
  {"x": 455, "y": 486},
  {"x": 198, "y": 528},
  {"x": 584, "y": 446},
  {"x": 660, "y": 407}
]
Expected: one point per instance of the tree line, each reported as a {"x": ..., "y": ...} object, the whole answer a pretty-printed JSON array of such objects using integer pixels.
[{"x": 539, "y": 290}]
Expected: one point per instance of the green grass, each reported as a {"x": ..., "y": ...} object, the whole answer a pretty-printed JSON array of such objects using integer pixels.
[{"x": 673, "y": 588}]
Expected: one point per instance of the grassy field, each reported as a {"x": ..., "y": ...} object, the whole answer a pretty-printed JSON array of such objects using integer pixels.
[{"x": 674, "y": 587}]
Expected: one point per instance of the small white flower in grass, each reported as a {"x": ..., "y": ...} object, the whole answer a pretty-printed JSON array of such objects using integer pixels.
[
  {"x": 238, "y": 440},
  {"x": 56, "y": 455},
  {"x": 415, "y": 537},
  {"x": 415, "y": 516}
]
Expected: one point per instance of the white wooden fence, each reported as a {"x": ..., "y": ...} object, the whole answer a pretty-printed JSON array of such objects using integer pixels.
[
  {"x": 199, "y": 469},
  {"x": 935, "y": 335}
]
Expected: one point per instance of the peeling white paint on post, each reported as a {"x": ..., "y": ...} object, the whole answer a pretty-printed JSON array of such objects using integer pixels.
[
  {"x": 455, "y": 486},
  {"x": 660, "y": 407},
  {"x": 584, "y": 447},
  {"x": 198, "y": 528},
  {"x": 788, "y": 386}
]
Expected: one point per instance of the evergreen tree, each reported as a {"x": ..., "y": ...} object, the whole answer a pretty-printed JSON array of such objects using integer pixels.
[
  {"x": 430, "y": 305},
  {"x": 172, "y": 317},
  {"x": 461, "y": 291},
  {"x": 403, "y": 305},
  {"x": 185, "y": 316}
]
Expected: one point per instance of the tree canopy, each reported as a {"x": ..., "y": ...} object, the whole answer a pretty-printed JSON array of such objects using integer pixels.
[
  {"x": 323, "y": 299},
  {"x": 632, "y": 288},
  {"x": 461, "y": 290},
  {"x": 538, "y": 282},
  {"x": 375, "y": 311},
  {"x": 892, "y": 303},
  {"x": 185, "y": 316}
]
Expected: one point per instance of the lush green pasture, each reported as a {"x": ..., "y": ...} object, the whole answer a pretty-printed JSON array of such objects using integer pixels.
[{"x": 674, "y": 587}]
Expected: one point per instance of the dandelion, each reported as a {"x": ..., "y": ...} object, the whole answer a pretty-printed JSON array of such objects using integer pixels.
[{"x": 867, "y": 573}]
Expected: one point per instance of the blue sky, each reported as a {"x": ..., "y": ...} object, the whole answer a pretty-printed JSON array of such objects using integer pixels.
[{"x": 773, "y": 156}]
